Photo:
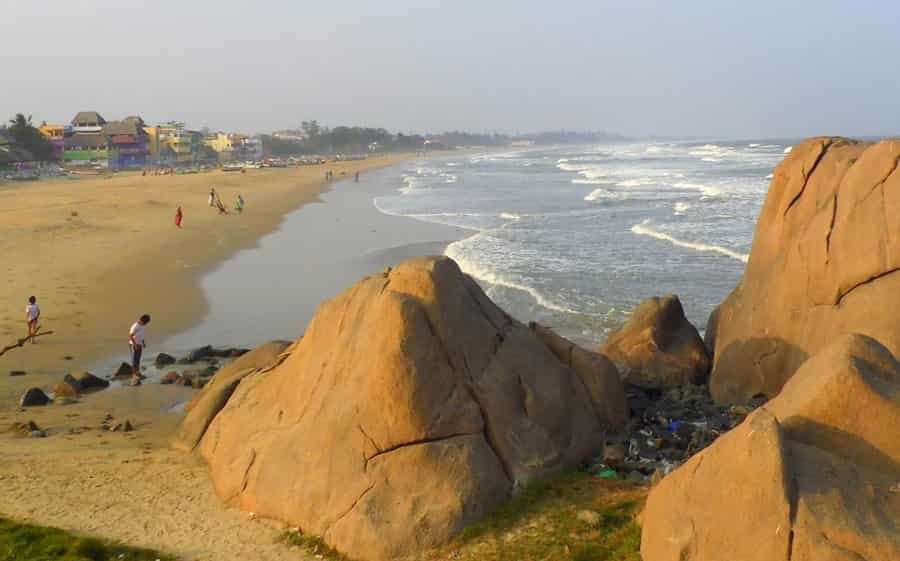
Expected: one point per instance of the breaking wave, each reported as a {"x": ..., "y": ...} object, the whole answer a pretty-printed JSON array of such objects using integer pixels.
[{"x": 644, "y": 229}]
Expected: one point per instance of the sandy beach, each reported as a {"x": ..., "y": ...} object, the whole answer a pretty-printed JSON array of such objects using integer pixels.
[{"x": 97, "y": 252}]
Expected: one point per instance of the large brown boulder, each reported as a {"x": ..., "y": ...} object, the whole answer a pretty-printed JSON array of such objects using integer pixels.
[
  {"x": 809, "y": 477},
  {"x": 411, "y": 407},
  {"x": 824, "y": 262},
  {"x": 599, "y": 374},
  {"x": 658, "y": 348},
  {"x": 209, "y": 401}
]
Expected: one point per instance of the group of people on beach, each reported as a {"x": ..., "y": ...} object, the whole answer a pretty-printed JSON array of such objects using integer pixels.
[
  {"x": 214, "y": 202},
  {"x": 136, "y": 334}
]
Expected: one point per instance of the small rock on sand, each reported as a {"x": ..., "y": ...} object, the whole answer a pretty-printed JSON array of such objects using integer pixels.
[
  {"x": 16, "y": 372},
  {"x": 163, "y": 359},
  {"x": 34, "y": 396},
  {"x": 124, "y": 371}
]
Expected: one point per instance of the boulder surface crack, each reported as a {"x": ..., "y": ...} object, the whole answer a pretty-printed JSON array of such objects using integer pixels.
[
  {"x": 808, "y": 175},
  {"x": 869, "y": 280},
  {"x": 414, "y": 443}
]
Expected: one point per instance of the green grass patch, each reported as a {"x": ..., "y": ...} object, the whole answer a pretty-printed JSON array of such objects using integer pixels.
[
  {"x": 575, "y": 517},
  {"x": 27, "y": 542},
  {"x": 313, "y": 545}
]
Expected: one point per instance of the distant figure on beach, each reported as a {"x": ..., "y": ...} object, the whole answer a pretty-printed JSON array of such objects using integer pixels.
[
  {"x": 212, "y": 197},
  {"x": 32, "y": 315},
  {"x": 239, "y": 204},
  {"x": 356, "y": 177},
  {"x": 137, "y": 344},
  {"x": 178, "y": 216},
  {"x": 220, "y": 206}
]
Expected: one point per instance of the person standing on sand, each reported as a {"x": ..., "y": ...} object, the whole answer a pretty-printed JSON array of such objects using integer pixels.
[
  {"x": 356, "y": 177},
  {"x": 239, "y": 204},
  {"x": 32, "y": 315},
  {"x": 137, "y": 343},
  {"x": 178, "y": 216},
  {"x": 212, "y": 197}
]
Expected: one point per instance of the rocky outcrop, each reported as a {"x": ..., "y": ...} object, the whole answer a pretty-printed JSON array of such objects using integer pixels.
[
  {"x": 412, "y": 407},
  {"x": 824, "y": 263},
  {"x": 808, "y": 477},
  {"x": 206, "y": 405},
  {"x": 658, "y": 348},
  {"x": 597, "y": 372}
]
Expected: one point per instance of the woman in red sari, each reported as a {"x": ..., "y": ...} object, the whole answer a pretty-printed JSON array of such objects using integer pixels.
[{"x": 178, "y": 217}]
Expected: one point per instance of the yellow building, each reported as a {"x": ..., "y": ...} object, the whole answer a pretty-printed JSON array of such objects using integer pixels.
[{"x": 222, "y": 144}]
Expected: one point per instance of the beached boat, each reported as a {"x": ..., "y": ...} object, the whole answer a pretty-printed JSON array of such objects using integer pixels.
[{"x": 232, "y": 167}]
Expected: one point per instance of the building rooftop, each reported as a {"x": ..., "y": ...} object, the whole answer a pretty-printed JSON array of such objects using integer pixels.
[{"x": 88, "y": 117}]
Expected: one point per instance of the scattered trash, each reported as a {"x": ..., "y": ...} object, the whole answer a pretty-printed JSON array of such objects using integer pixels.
[{"x": 608, "y": 474}]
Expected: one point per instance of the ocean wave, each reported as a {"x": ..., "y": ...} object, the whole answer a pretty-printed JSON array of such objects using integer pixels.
[
  {"x": 593, "y": 181},
  {"x": 754, "y": 145},
  {"x": 640, "y": 182},
  {"x": 564, "y": 166},
  {"x": 707, "y": 191},
  {"x": 788, "y": 150},
  {"x": 510, "y": 216},
  {"x": 644, "y": 229},
  {"x": 456, "y": 252},
  {"x": 681, "y": 208},
  {"x": 598, "y": 194}
]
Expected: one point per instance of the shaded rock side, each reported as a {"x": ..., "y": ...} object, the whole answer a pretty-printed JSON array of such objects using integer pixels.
[
  {"x": 210, "y": 400},
  {"x": 412, "y": 407},
  {"x": 598, "y": 373},
  {"x": 824, "y": 264},
  {"x": 810, "y": 476},
  {"x": 658, "y": 348}
]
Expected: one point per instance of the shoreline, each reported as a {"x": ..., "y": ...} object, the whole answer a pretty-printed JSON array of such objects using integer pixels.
[{"x": 59, "y": 237}]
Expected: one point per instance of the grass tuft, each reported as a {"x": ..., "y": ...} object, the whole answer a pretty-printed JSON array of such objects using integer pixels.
[
  {"x": 575, "y": 517},
  {"x": 27, "y": 542},
  {"x": 313, "y": 545}
]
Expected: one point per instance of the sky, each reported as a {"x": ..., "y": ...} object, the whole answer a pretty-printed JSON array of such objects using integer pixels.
[{"x": 724, "y": 69}]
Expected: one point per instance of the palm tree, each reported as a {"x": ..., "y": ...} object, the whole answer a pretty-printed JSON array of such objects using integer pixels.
[{"x": 20, "y": 122}]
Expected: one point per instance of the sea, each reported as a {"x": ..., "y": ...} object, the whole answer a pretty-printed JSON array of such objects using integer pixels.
[{"x": 574, "y": 237}]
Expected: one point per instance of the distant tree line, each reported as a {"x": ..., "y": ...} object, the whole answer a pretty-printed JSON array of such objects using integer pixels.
[
  {"x": 27, "y": 137},
  {"x": 571, "y": 137},
  {"x": 312, "y": 138}
]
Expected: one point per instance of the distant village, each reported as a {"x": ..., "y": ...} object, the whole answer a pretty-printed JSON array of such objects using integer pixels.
[{"x": 90, "y": 142}]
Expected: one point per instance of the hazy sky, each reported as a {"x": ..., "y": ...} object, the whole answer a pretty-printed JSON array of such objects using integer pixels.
[{"x": 716, "y": 68}]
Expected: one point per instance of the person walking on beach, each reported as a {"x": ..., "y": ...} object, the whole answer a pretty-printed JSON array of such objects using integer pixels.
[
  {"x": 32, "y": 315},
  {"x": 137, "y": 343},
  {"x": 212, "y": 197},
  {"x": 178, "y": 216},
  {"x": 356, "y": 178},
  {"x": 239, "y": 204}
]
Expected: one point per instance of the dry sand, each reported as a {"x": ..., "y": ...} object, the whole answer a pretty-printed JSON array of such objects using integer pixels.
[{"x": 97, "y": 253}]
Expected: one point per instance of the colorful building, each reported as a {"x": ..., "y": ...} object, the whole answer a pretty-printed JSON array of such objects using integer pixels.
[
  {"x": 56, "y": 135},
  {"x": 88, "y": 122},
  {"x": 221, "y": 144},
  {"x": 86, "y": 149},
  {"x": 128, "y": 143}
]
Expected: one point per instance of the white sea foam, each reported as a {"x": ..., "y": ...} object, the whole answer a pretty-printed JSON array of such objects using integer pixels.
[
  {"x": 788, "y": 149},
  {"x": 572, "y": 167},
  {"x": 644, "y": 229},
  {"x": 770, "y": 176},
  {"x": 707, "y": 191},
  {"x": 510, "y": 216},
  {"x": 593, "y": 181},
  {"x": 754, "y": 145},
  {"x": 681, "y": 208},
  {"x": 714, "y": 160},
  {"x": 640, "y": 182},
  {"x": 456, "y": 252}
]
